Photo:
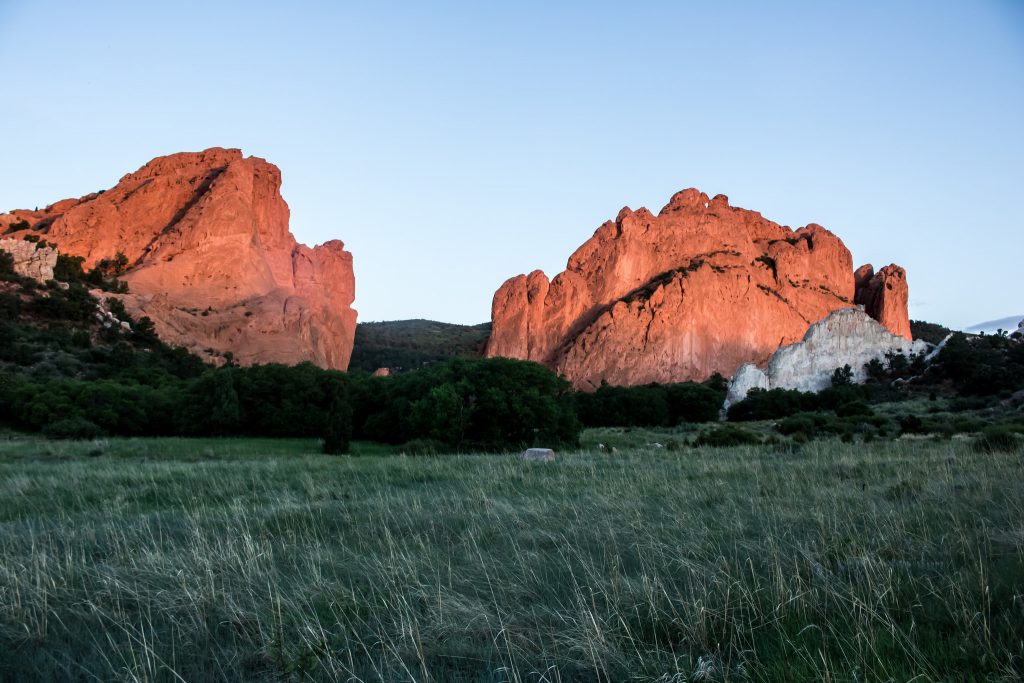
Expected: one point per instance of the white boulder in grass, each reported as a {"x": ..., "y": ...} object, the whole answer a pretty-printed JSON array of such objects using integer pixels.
[{"x": 538, "y": 454}]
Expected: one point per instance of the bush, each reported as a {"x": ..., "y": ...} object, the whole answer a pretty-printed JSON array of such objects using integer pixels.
[
  {"x": 422, "y": 447},
  {"x": 996, "y": 440},
  {"x": 854, "y": 409},
  {"x": 19, "y": 225},
  {"x": 912, "y": 424},
  {"x": 72, "y": 428},
  {"x": 772, "y": 405},
  {"x": 727, "y": 435},
  {"x": 797, "y": 423}
]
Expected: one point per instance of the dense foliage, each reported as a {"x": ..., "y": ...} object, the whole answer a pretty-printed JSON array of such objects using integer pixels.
[
  {"x": 468, "y": 404},
  {"x": 402, "y": 345},
  {"x": 652, "y": 405},
  {"x": 980, "y": 366},
  {"x": 69, "y": 368},
  {"x": 929, "y": 332}
]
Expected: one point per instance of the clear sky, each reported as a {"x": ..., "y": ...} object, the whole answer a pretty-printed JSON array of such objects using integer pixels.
[{"x": 453, "y": 145}]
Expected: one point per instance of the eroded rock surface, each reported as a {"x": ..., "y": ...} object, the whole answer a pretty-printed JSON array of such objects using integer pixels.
[
  {"x": 30, "y": 260},
  {"x": 701, "y": 287},
  {"x": 884, "y": 295},
  {"x": 846, "y": 337},
  {"x": 211, "y": 259}
]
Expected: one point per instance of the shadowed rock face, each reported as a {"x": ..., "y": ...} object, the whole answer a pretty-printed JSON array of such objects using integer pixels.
[
  {"x": 212, "y": 260},
  {"x": 702, "y": 287}
]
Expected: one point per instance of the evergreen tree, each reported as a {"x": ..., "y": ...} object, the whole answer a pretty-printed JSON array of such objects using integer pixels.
[{"x": 338, "y": 430}]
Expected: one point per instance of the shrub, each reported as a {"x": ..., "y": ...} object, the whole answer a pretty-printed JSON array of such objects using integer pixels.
[
  {"x": 772, "y": 405},
  {"x": 422, "y": 447},
  {"x": 912, "y": 424},
  {"x": 72, "y": 428},
  {"x": 19, "y": 225},
  {"x": 996, "y": 440},
  {"x": 854, "y": 409},
  {"x": 727, "y": 435},
  {"x": 796, "y": 423}
]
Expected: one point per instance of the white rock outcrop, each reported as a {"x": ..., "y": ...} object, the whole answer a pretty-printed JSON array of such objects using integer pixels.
[
  {"x": 31, "y": 260},
  {"x": 848, "y": 336}
]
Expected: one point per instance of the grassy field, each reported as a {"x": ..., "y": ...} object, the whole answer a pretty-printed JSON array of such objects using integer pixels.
[{"x": 193, "y": 560}]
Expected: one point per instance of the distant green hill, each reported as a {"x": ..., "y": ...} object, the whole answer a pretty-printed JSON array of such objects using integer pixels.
[{"x": 409, "y": 344}]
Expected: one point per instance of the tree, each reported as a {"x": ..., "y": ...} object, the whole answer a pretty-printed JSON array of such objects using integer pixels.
[
  {"x": 338, "y": 430},
  {"x": 842, "y": 377},
  {"x": 211, "y": 405}
]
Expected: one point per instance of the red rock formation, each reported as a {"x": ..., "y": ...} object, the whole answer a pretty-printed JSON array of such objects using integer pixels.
[
  {"x": 700, "y": 288},
  {"x": 212, "y": 261},
  {"x": 884, "y": 296}
]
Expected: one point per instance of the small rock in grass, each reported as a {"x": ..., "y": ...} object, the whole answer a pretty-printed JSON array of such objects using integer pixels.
[{"x": 538, "y": 454}]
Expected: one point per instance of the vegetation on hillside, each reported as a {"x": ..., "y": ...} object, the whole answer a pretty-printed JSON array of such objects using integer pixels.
[
  {"x": 403, "y": 345},
  {"x": 70, "y": 369},
  {"x": 929, "y": 332}
]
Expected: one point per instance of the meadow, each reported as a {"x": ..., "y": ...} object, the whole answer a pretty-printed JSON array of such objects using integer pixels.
[{"x": 263, "y": 560}]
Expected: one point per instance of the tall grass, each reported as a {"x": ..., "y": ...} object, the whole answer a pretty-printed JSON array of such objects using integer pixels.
[{"x": 248, "y": 560}]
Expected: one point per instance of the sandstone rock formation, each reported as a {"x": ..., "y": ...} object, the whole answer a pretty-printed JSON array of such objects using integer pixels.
[
  {"x": 211, "y": 259},
  {"x": 30, "y": 260},
  {"x": 884, "y": 296},
  {"x": 700, "y": 288},
  {"x": 846, "y": 337}
]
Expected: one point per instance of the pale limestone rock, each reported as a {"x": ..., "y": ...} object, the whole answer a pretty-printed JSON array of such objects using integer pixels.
[
  {"x": 31, "y": 260},
  {"x": 846, "y": 337},
  {"x": 748, "y": 377}
]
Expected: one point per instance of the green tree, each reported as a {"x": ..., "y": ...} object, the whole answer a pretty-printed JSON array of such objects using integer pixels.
[
  {"x": 211, "y": 406},
  {"x": 338, "y": 430}
]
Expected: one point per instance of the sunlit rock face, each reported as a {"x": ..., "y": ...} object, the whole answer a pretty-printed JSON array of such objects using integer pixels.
[
  {"x": 701, "y": 287},
  {"x": 845, "y": 337},
  {"x": 884, "y": 295},
  {"x": 212, "y": 260}
]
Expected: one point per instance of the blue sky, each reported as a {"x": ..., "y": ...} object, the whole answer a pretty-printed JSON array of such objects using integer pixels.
[{"x": 453, "y": 145}]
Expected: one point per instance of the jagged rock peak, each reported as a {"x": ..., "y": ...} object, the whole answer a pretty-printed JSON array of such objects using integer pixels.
[
  {"x": 885, "y": 295},
  {"x": 212, "y": 259},
  {"x": 700, "y": 288}
]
